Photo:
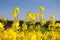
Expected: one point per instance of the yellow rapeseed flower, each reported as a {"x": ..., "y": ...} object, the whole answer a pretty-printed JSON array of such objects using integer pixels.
[
  {"x": 28, "y": 15},
  {"x": 33, "y": 37},
  {"x": 16, "y": 8},
  {"x": 1, "y": 25},
  {"x": 12, "y": 34},
  {"x": 24, "y": 27},
  {"x": 22, "y": 36},
  {"x": 4, "y": 19},
  {"x": 15, "y": 24},
  {"x": 29, "y": 35},
  {"x": 41, "y": 16},
  {"x": 49, "y": 36},
  {"x": 33, "y": 16},
  {"x": 25, "y": 21},
  {"x": 18, "y": 36},
  {"x": 14, "y": 14},
  {"x": 41, "y": 8},
  {"x": 51, "y": 24},
  {"x": 57, "y": 25},
  {"x": 52, "y": 21},
  {"x": 36, "y": 15},
  {"x": 37, "y": 28},
  {"x": 43, "y": 22},
  {"x": 52, "y": 16},
  {"x": 38, "y": 35}
]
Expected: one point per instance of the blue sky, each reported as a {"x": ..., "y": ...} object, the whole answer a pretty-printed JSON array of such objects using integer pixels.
[{"x": 51, "y": 6}]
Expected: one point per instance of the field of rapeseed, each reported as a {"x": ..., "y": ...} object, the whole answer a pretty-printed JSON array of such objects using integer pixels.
[{"x": 29, "y": 30}]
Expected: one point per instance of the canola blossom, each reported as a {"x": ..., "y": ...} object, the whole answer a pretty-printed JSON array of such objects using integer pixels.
[
  {"x": 30, "y": 29},
  {"x": 41, "y": 8}
]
